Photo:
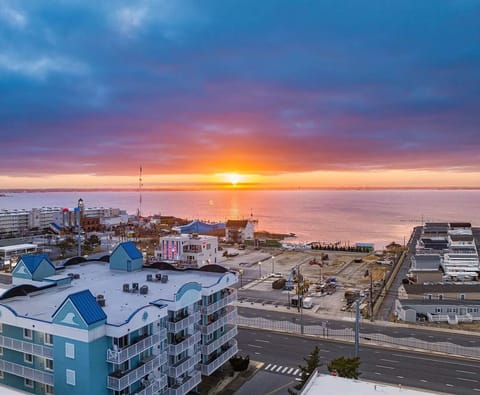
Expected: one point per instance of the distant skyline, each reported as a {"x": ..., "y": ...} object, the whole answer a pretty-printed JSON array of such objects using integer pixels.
[{"x": 240, "y": 94}]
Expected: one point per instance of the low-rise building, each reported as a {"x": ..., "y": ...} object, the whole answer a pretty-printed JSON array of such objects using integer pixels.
[
  {"x": 238, "y": 231},
  {"x": 189, "y": 250},
  {"x": 114, "y": 328}
]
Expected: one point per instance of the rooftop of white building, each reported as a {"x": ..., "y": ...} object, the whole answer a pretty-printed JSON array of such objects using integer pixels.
[{"x": 99, "y": 279}]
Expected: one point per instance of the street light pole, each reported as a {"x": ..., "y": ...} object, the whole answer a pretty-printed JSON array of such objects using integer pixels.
[
  {"x": 260, "y": 269},
  {"x": 273, "y": 264},
  {"x": 79, "y": 217}
]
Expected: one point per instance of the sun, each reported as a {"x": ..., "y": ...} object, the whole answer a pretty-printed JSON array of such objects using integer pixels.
[{"x": 234, "y": 178}]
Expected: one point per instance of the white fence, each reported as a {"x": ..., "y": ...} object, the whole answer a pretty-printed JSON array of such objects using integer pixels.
[{"x": 348, "y": 334}]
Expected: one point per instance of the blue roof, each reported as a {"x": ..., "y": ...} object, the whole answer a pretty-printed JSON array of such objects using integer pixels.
[
  {"x": 197, "y": 226},
  {"x": 87, "y": 306},
  {"x": 32, "y": 261},
  {"x": 131, "y": 249}
]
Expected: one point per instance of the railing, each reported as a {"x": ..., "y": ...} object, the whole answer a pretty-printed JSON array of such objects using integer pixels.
[
  {"x": 120, "y": 356},
  {"x": 191, "y": 319},
  {"x": 211, "y": 308},
  {"x": 217, "y": 343},
  {"x": 184, "y": 366},
  {"x": 175, "y": 349},
  {"x": 26, "y": 347},
  {"x": 194, "y": 379},
  {"x": 209, "y": 368},
  {"x": 348, "y": 335},
  {"x": 129, "y": 377},
  {"x": 26, "y": 372},
  {"x": 229, "y": 317},
  {"x": 152, "y": 387}
]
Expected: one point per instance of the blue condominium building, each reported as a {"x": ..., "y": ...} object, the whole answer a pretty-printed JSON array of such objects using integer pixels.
[{"x": 114, "y": 327}]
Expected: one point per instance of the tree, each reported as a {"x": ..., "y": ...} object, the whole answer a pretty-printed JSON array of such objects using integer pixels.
[
  {"x": 313, "y": 363},
  {"x": 345, "y": 367}
]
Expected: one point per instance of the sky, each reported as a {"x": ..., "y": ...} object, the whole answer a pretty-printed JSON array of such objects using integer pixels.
[{"x": 244, "y": 94}]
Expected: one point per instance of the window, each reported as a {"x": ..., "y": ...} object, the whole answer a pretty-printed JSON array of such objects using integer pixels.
[
  {"x": 440, "y": 296},
  {"x": 462, "y": 296},
  {"x": 48, "y": 339},
  {"x": 429, "y": 296},
  {"x": 70, "y": 376},
  {"x": 27, "y": 333},
  {"x": 48, "y": 364},
  {"x": 28, "y": 358},
  {"x": 48, "y": 389},
  {"x": 121, "y": 342},
  {"x": 70, "y": 350},
  {"x": 28, "y": 383},
  {"x": 1, "y": 374}
]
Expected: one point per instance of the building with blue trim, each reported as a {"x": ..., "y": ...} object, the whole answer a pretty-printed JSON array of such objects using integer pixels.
[{"x": 114, "y": 328}]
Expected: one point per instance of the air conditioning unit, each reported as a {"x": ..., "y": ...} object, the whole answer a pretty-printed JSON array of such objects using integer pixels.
[
  {"x": 134, "y": 287},
  {"x": 144, "y": 290},
  {"x": 149, "y": 277},
  {"x": 126, "y": 287}
]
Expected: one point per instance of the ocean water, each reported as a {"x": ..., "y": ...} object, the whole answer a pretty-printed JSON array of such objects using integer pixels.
[{"x": 376, "y": 216}]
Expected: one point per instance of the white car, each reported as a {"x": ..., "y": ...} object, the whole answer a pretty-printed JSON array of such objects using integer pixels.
[{"x": 277, "y": 275}]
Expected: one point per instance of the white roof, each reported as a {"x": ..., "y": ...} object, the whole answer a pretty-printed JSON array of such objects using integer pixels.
[
  {"x": 99, "y": 279},
  {"x": 323, "y": 384},
  {"x": 18, "y": 247}
]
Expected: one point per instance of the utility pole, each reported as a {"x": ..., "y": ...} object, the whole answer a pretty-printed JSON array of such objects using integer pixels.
[
  {"x": 357, "y": 326},
  {"x": 371, "y": 295}
]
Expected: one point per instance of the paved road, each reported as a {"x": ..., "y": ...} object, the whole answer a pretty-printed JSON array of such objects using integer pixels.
[
  {"x": 428, "y": 334},
  {"x": 386, "y": 310},
  {"x": 280, "y": 355}
]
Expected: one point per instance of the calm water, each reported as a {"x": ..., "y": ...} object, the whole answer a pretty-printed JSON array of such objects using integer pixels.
[{"x": 347, "y": 216}]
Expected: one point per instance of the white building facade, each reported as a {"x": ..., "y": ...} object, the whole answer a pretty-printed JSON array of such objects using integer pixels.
[{"x": 189, "y": 250}]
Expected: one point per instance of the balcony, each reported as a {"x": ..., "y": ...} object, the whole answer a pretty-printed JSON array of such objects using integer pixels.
[
  {"x": 231, "y": 296},
  {"x": 228, "y": 318},
  {"x": 26, "y": 347},
  {"x": 184, "y": 366},
  {"x": 151, "y": 387},
  {"x": 120, "y": 356},
  {"x": 214, "y": 364},
  {"x": 119, "y": 380},
  {"x": 185, "y": 344},
  {"x": 177, "y": 326},
  {"x": 217, "y": 343},
  {"x": 187, "y": 385},
  {"x": 26, "y": 372}
]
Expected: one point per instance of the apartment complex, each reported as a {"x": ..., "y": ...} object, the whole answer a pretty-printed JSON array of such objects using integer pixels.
[
  {"x": 114, "y": 328},
  {"x": 188, "y": 250}
]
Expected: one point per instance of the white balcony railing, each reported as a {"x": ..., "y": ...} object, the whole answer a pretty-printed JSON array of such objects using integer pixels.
[
  {"x": 26, "y": 347},
  {"x": 190, "y": 341},
  {"x": 229, "y": 317},
  {"x": 26, "y": 372},
  {"x": 187, "y": 385},
  {"x": 209, "y": 368},
  {"x": 124, "y": 354},
  {"x": 211, "y": 308},
  {"x": 175, "y": 327},
  {"x": 217, "y": 343},
  {"x": 122, "y": 380},
  {"x": 184, "y": 366}
]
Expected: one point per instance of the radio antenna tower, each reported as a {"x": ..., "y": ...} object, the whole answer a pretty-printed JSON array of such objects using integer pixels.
[{"x": 140, "y": 184}]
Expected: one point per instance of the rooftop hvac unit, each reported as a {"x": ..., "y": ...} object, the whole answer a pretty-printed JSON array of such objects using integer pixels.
[
  {"x": 164, "y": 278},
  {"x": 144, "y": 290},
  {"x": 134, "y": 287},
  {"x": 101, "y": 301},
  {"x": 126, "y": 287},
  {"x": 76, "y": 276},
  {"x": 149, "y": 277},
  {"x": 158, "y": 276}
]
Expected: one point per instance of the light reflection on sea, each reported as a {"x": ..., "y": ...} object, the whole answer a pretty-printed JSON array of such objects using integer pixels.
[{"x": 377, "y": 216}]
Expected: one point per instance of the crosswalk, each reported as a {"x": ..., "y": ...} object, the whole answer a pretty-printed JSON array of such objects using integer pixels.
[{"x": 287, "y": 370}]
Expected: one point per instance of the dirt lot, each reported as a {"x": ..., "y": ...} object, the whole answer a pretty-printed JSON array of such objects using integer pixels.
[{"x": 352, "y": 271}]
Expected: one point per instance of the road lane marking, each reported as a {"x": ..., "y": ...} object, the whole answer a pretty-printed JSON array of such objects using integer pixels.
[
  {"x": 465, "y": 371},
  {"x": 449, "y": 385},
  {"x": 262, "y": 341},
  {"x": 279, "y": 368},
  {"x": 470, "y": 380},
  {"x": 325, "y": 351},
  {"x": 284, "y": 370},
  {"x": 296, "y": 371},
  {"x": 273, "y": 368},
  {"x": 433, "y": 360},
  {"x": 388, "y": 360},
  {"x": 378, "y": 373},
  {"x": 290, "y": 371},
  {"x": 400, "y": 377},
  {"x": 384, "y": 367},
  {"x": 266, "y": 367},
  {"x": 258, "y": 353},
  {"x": 477, "y": 389},
  {"x": 424, "y": 381},
  {"x": 254, "y": 346}
]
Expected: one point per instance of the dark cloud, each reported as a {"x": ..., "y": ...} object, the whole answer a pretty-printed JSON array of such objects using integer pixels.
[{"x": 269, "y": 86}]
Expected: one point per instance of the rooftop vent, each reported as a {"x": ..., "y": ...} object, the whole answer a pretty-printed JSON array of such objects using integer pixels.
[
  {"x": 158, "y": 276},
  {"x": 126, "y": 287},
  {"x": 149, "y": 277},
  {"x": 144, "y": 290},
  {"x": 101, "y": 300},
  {"x": 134, "y": 287},
  {"x": 164, "y": 278}
]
